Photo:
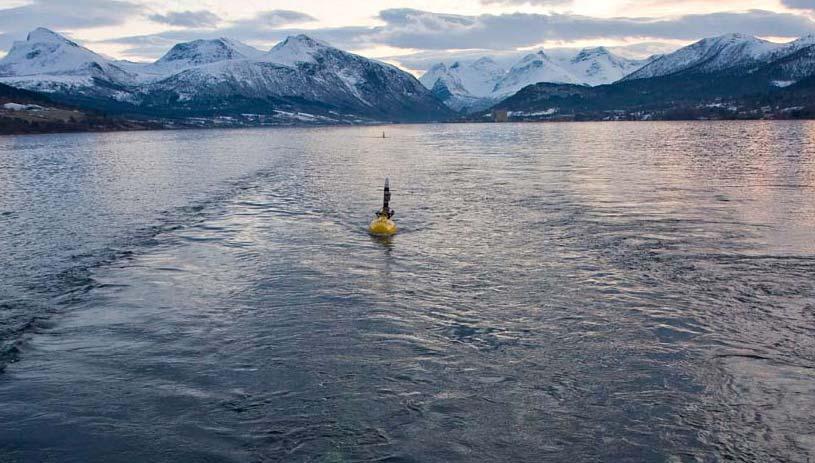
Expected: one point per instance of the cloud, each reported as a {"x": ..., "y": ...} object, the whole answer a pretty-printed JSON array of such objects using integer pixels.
[
  {"x": 527, "y": 2},
  {"x": 416, "y": 29},
  {"x": 270, "y": 20},
  {"x": 275, "y": 18},
  {"x": 423, "y": 60},
  {"x": 66, "y": 14},
  {"x": 62, "y": 14},
  {"x": 799, "y": 4},
  {"x": 406, "y": 28},
  {"x": 266, "y": 27},
  {"x": 201, "y": 18}
]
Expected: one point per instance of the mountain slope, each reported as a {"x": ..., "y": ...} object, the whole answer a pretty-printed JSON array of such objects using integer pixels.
[
  {"x": 710, "y": 55},
  {"x": 23, "y": 111},
  {"x": 48, "y": 62}
]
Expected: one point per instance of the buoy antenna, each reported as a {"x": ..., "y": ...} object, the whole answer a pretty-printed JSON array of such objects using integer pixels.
[{"x": 387, "y": 197}]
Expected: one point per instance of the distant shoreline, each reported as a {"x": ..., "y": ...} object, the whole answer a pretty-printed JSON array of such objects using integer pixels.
[{"x": 112, "y": 129}]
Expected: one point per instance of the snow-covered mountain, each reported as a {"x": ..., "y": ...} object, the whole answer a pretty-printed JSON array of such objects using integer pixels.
[
  {"x": 780, "y": 64},
  {"x": 731, "y": 76},
  {"x": 449, "y": 89},
  {"x": 711, "y": 55},
  {"x": 464, "y": 86},
  {"x": 478, "y": 77},
  {"x": 765, "y": 63},
  {"x": 222, "y": 76},
  {"x": 300, "y": 72},
  {"x": 201, "y": 52},
  {"x": 533, "y": 68},
  {"x": 473, "y": 86},
  {"x": 598, "y": 66},
  {"x": 791, "y": 64},
  {"x": 47, "y": 61}
]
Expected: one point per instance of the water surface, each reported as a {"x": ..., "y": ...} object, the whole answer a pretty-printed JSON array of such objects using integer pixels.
[{"x": 590, "y": 292}]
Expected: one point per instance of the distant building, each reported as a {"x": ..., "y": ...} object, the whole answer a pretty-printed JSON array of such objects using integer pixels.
[{"x": 500, "y": 115}]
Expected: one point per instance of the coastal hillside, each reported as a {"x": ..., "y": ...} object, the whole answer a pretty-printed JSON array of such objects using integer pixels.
[{"x": 23, "y": 111}]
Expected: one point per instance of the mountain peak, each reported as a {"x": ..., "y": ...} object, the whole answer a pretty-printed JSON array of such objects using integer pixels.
[
  {"x": 591, "y": 53},
  {"x": 484, "y": 60},
  {"x": 531, "y": 58},
  {"x": 733, "y": 36},
  {"x": 731, "y": 39},
  {"x": 302, "y": 40},
  {"x": 43, "y": 35},
  {"x": 296, "y": 49},
  {"x": 206, "y": 51},
  {"x": 595, "y": 51},
  {"x": 46, "y": 53}
]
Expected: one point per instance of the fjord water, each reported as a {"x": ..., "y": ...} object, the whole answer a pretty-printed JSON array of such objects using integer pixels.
[{"x": 590, "y": 292}]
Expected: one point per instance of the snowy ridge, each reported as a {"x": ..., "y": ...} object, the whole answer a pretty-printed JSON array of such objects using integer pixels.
[
  {"x": 711, "y": 55},
  {"x": 464, "y": 86}
]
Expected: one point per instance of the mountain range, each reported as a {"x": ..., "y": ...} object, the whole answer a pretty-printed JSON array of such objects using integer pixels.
[
  {"x": 470, "y": 86},
  {"x": 725, "y": 77},
  {"x": 305, "y": 81},
  {"x": 299, "y": 80}
]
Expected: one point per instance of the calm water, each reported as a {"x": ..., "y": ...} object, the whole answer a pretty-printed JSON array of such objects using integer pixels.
[{"x": 582, "y": 292}]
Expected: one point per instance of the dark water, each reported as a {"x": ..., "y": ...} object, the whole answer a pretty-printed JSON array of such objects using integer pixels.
[{"x": 582, "y": 292}]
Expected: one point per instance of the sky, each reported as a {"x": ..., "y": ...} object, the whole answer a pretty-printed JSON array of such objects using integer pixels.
[{"x": 411, "y": 34}]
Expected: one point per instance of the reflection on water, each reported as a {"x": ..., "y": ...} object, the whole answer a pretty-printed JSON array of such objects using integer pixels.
[{"x": 611, "y": 292}]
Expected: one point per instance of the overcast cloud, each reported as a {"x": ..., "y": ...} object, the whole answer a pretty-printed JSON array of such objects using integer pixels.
[
  {"x": 201, "y": 18},
  {"x": 800, "y": 4},
  {"x": 414, "y": 29},
  {"x": 433, "y": 34}
]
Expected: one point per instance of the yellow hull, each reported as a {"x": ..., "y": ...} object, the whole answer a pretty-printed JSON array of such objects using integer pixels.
[{"x": 382, "y": 226}]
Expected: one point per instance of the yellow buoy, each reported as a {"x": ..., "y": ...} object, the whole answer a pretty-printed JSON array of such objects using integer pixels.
[{"x": 382, "y": 225}]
